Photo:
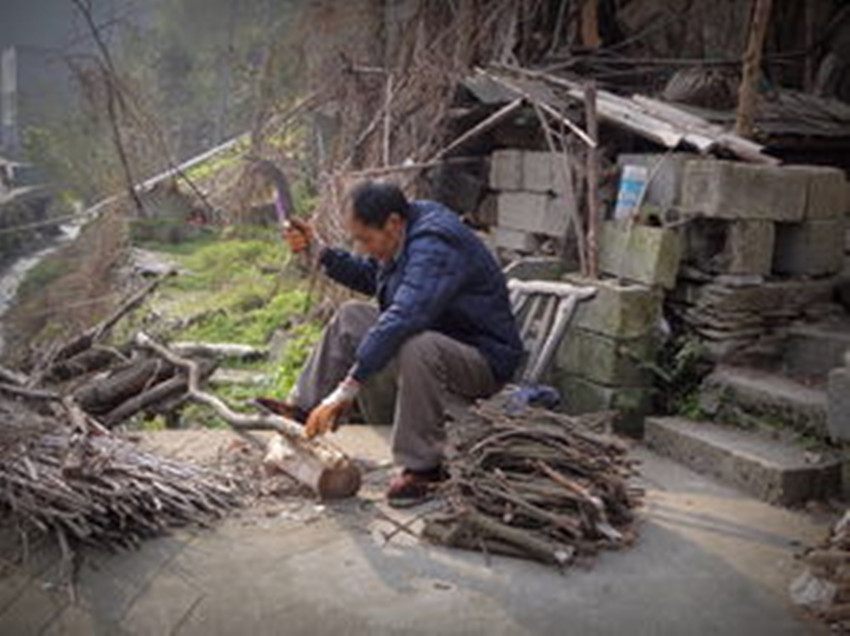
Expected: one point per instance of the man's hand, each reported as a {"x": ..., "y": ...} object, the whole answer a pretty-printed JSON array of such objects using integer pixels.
[
  {"x": 299, "y": 235},
  {"x": 326, "y": 417}
]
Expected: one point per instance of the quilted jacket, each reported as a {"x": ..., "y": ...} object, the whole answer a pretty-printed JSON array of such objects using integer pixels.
[{"x": 444, "y": 279}]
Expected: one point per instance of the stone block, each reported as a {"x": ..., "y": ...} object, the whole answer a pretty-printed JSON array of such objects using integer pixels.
[
  {"x": 619, "y": 310},
  {"x": 786, "y": 296},
  {"x": 826, "y": 193},
  {"x": 667, "y": 169},
  {"x": 640, "y": 253},
  {"x": 515, "y": 240},
  {"x": 733, "y": 190},
  {"x": 749, "y": 247},
  {"x": 533, "y": 212},
  {"x": 741, "y": 247},
  {"x": 607, "y": 360},
  {"x": 506, "y": 170},
  {"x": 581, "y": 395},
  {"x": 537, "y": 171},
  {"x": 838, "y": 404},
  {"x": 811, "y": 248}
]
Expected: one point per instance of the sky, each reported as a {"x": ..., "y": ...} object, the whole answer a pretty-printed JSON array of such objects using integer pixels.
[{"x": 56, "y": 24}]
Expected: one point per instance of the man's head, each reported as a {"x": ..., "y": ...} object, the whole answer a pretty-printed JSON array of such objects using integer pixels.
[{"x": 378, "y": 218}]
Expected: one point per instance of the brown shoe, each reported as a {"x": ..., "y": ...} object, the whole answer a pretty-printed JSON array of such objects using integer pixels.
[
  {"x": 286, "y": 409},
  {"x": 411, "y": 488}
]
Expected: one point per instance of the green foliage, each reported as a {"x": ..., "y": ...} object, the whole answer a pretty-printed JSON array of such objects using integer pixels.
[
  {"x": 240, "y": 321},
  {"x": 682, "y": 365},
  {"x": 301, "y": 341}
]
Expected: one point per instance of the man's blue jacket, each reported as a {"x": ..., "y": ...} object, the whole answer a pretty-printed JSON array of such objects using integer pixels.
[{"x": 445, "y": 280}]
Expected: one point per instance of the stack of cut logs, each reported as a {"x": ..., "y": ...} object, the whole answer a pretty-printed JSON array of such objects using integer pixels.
[{"x": 536, "y": 485}]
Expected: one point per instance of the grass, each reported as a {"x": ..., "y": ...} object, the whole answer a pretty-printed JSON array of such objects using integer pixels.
[{"x": 238, "y": 287}]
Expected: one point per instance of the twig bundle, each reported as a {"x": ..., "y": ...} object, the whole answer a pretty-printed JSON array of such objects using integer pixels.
[
  {"x": 68, "y": 477},
  {"x": 538, "y": 485}
]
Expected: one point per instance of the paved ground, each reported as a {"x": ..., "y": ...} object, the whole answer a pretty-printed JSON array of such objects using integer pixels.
[{"x": 709, "y": 561}]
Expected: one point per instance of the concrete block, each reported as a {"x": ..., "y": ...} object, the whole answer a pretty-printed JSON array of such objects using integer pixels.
[
  {"x": 811, "y": 248},
  {"x": 733, "y": 190},
  {"x": 772, "y": 470},
  {"x": 607, "y": 360},
  {"x": 838, "y": 404},
  {"x": 515, "y": 240},
  {"x": 620, "y": 311},
  {"x": 581, "y": 395},
  {"x": 640, "y": 253},
  {"x": 749, "y": 247},
  {"x": 506, "y": 170},
  {"x": 740, "y": 247},
  {"x": 665, "y": 187},
  {"x": 826, "y": 193},
  {"x": 533, "y": 212},
  {"x": 537, "y": 171}
]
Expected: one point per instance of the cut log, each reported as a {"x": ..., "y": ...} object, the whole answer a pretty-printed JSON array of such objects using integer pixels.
[
  {"x": 164, "y": 391},
  {"x": 101, "y": 396},
  {"x": 335, "y": 480},
  {"x": 92, "y": 359}
]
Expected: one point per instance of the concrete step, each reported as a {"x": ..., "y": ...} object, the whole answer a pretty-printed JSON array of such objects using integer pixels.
[
  {"x": 775, "y": 471},
  {"x": 751, "y": 396},
  {"x": 814, "y": 349}
]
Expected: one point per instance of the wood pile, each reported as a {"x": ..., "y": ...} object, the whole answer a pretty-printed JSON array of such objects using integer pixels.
[
  {"x": 62, "y": 473},
  {"x": 536, "y": 485}
]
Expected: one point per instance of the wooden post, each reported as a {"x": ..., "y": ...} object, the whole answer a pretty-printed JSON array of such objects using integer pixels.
[
  {"x": 592, "y": 126},
  {"x": 748, "y": 91}
]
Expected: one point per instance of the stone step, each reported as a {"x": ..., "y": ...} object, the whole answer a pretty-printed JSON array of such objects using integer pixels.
[
  {"x": 815, "y": 349},
  {"x": 775, "y": 471},
  {"x": 746, "y": 396}
]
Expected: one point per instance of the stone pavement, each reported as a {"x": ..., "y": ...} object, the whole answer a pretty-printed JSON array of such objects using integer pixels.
[{"x": 709, "y": 561}]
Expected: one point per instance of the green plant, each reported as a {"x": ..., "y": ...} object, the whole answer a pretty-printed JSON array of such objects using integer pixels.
[
  {"x": 681, "y": 366},
  {"x": 302, "y": 339}
]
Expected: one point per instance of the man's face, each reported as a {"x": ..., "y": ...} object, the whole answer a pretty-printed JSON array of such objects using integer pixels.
[{"x": 380, "y": 243}]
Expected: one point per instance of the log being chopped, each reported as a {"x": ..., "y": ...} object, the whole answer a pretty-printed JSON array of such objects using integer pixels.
[{"x": 537, "y": 485}]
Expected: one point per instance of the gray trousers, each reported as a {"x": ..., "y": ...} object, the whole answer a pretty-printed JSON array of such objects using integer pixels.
[{"x": 430, "y": 373}]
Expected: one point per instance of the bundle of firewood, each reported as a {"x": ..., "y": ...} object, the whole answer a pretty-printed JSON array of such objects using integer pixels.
[
  {"x": 537, "y": 485},
  {"x": 61, "y": 473}
]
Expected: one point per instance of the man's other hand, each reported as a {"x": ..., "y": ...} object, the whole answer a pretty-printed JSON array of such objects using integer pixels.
[
  {"x": 299, "y": 236},
  {"x": 326, "y": 417}
]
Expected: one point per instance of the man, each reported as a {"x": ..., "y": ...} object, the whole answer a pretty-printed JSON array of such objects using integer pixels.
[{"x": 442, "y": 328}]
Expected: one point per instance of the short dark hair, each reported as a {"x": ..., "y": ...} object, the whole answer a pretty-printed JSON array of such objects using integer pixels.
[{"x": 374, "y": 202}]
